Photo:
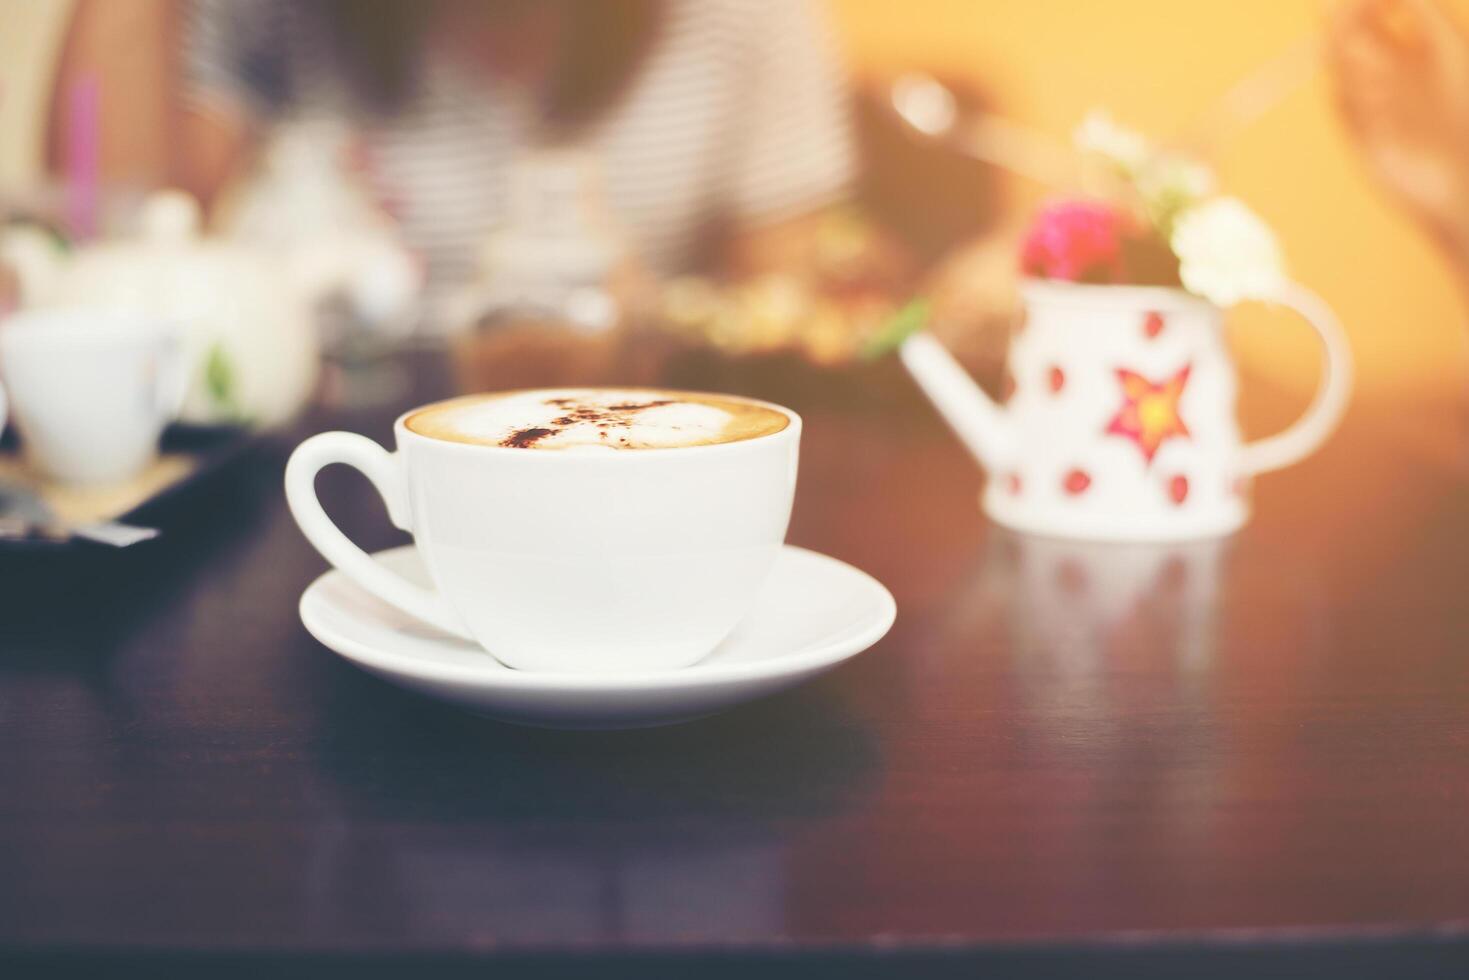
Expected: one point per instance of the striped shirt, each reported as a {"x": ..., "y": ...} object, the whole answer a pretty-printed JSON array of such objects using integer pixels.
[{"x": 738, "y": 113}]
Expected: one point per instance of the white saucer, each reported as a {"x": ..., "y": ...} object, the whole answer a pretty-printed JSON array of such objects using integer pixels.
[{"x": 813, "y": 613}]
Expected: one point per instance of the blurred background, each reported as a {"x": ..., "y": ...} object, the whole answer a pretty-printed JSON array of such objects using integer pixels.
[{"x": 1161, "y": 67}]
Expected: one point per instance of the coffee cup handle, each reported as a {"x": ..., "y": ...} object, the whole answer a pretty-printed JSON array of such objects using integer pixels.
[
  {"x": 1326, "y": 409},
  {"x": 385, "y": 471}
]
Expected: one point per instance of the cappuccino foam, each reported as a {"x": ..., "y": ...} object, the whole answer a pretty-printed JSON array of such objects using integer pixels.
[{"x": 596, "y": 419}]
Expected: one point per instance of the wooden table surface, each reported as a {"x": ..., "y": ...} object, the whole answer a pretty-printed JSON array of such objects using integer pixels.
[{"x": 1221, "y": 758}]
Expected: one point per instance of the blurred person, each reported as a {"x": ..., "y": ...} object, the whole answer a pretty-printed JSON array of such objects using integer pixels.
[
  {"x": 1402, "y": 75},
  {"x": 721, "y": 128},
  {"x": 703, "y": 114}
]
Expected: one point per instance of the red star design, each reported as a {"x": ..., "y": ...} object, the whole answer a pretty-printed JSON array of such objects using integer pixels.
[{"x": 1149, "y": 412}]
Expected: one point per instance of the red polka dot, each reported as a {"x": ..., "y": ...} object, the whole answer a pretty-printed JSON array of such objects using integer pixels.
[
  {"x": 1077, "y": 481},
  {"x": 1071, "y": 577},
  {"x": 1012, "y": 482},
  {"x": 1010, "y": 545},
  {"x": 1175, "y": 574},
  {"x": 1241, "y": 487},
  {"x": 1153, "y": 324},
  {"x": 1007, "y": 387},
  {"x": 1178, "y": 488},
  {"x": 1057, "y": 378}
]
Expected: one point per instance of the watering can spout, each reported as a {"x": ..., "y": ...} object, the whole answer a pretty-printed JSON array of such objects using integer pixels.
[{"x": 980, "y": 424}]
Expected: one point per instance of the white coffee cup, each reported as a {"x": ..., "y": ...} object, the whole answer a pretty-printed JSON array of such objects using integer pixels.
[
  {"x": 558, "y": 561},
  {"x": 91, "y": 389}
]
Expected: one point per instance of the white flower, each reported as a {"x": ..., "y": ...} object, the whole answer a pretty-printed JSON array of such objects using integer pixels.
[
  {"x": 1099, "y": 133},
  {"x": 1226, "y": 253},
  {"x": 1171, "y": 182}
]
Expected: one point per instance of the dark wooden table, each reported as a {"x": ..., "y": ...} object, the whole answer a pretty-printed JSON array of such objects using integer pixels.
[{"x": 1241, "y": 757}]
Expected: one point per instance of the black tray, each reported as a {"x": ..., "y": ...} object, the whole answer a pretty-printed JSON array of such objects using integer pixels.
[{"x": 211, "y": 449}]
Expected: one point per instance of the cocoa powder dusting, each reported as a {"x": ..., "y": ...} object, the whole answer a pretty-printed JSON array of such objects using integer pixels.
[
  {"x": 602, "y": 418},
  {"x": 526, "y": 438}
]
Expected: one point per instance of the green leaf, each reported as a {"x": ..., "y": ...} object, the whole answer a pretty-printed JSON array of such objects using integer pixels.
[
  {"x": 219, "y": 379},
  {"x": 900, "y": 326}
]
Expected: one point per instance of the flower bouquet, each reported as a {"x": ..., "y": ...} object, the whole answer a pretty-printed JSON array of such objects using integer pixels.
[{"x": 1160, "y": 224}]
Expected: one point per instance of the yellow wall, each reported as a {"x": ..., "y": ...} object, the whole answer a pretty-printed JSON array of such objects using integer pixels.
[{"x": 1154, "y": 63}]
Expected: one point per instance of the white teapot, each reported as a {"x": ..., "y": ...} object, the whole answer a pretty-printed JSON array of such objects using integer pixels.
[
  {"x": 247, "y": 330},
  {"x": 1120, "y": 423}
]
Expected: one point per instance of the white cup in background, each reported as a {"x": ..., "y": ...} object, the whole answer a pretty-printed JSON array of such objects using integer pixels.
[{"x": 91, "y": 390}]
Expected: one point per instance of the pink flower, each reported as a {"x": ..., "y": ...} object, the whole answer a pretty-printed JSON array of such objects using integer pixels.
[{"x": 1078, "y": 241}]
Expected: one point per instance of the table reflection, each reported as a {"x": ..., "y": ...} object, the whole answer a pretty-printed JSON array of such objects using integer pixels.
[
  {"x": 537, "y": 889},
  {"x": 1085, "y": 606},
  {"x": 503, "y": 832}
]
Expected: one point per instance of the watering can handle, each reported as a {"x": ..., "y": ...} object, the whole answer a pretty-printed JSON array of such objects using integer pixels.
[{"x": 1326, "y": 409}]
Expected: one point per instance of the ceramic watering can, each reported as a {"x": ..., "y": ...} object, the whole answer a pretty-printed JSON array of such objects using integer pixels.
[{"x": 1120, "y": 422}]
